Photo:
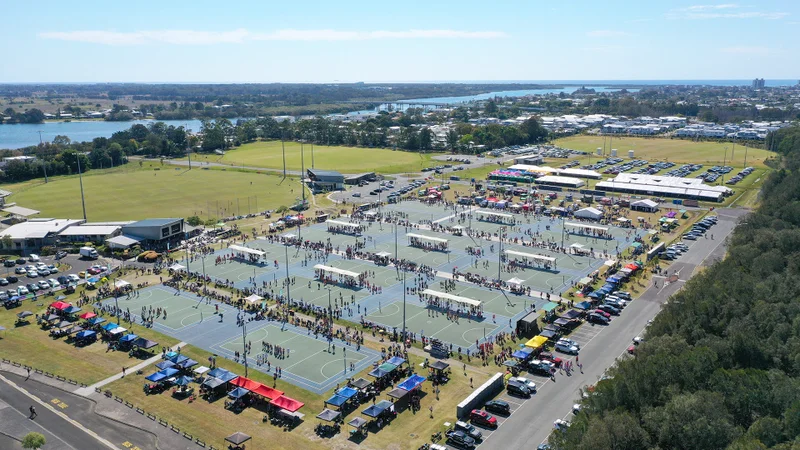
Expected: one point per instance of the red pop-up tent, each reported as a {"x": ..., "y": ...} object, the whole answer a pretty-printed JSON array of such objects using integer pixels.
[
  {"x": 289, "y": 404},
  {"x": 60, "y": 305}
]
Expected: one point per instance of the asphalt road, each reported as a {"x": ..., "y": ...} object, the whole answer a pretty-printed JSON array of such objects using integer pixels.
[
  {"x": 531, "y": 420},
  {"x": 83, "y": 428}
]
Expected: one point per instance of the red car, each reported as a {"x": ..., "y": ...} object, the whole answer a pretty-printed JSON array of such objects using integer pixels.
[
  {"x": 481, "y": 417},
  {"x": 547, "y": 356},
  {"x": 632, "y": 349},
  {"x": 602, "y": 313}
]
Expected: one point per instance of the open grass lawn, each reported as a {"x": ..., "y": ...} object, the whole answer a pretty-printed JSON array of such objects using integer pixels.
[
  {"x": 132, "y": 192},
  {"x": 268, "y": 154},
  {"x": 675, "y": 150}
]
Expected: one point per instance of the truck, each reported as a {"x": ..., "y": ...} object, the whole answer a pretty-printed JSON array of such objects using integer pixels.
[{"x": 88, "y": 253}]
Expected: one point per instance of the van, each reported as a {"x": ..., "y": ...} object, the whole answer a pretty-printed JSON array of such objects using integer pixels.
[
  {"x": 517, "y": 388},
  {"x": 33, "y": 258}
]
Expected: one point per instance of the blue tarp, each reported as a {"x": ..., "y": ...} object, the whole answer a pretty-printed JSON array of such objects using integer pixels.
[
  {"x": 583, "y": 305},
  {"x": 378, "y": 373},
  {"x": 169, "y": 371},
  {"x": 239, "y": 392},
  {"x": 413, "y": 382},
  {"x": 85, "y": 334},
  {"x": 165, "y": 365},
  {"x": 336, "y": 400},
  {"x": 109, "y": 326},
  {"x": 524, "y": 353},
  {"x": 128, "y": 338},
  {"x": 347, "y": 392},
  {"x": 158, "y": 376},
  {"x": 396, "y": 360},
  {"x": 377, "y": 409},
  {"x": 96, "y": 320}
]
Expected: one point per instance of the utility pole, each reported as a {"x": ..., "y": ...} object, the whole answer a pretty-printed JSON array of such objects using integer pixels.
[
  {"x": 288, "y": 281},
  {"x": 283, "y": 148},
  {"x": 80, "y": 179},
  {"x": 244, "y": 345},
  {"x": 500, "y": 256},
  {"x": 44, "y": 163}
]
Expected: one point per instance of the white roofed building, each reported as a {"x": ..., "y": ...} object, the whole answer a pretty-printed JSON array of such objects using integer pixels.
[
  {"x": 36, "y": 233},
  {"x": 589, "y": 213}
]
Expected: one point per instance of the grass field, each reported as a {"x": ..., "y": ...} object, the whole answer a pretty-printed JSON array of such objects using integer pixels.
[
  {"x": 675, "y": 150},
  {"x": 269, "y": 154},
  {"x": 133, "y": 192}
]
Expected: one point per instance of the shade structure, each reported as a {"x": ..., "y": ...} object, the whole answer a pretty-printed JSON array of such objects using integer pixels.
[
  {"x": 387, "y": 367},
  {"x": 396, "y": 360},
  {"x": 155, "y": 377},
  {"x": 128, "y": 338},
  {"x": 24, "y": 314},
  {"x": 549, "y": 306},
  {"x": 253, "y": 299},
  {"x": 169, "y": 371},
  {"x": 222, "y": 374},
  {"x": 336, "y": 400},
  {"x": 452, "y": 298},
  {"x": 237, "y": 438},
  {"x": 96, "y": 320},
  {"x": 201, "y": 370},
  {"x": 439, "y": 365},
  {"x": 347, "y": 392},
  {"x": 165, "y": 365},
  {"x": 247, "y": 250},
  {"x": 183, "y": 381},
  {"x": 75, "y": 329},
  {"x": 584, "y": 226},
  {"x": 336, "y": 270},
  {"x": 88, "y": 315},
  {"x": 59, "y": 305},
  {"x": 121, "y": 283},
  {"x": 533, "y": 256},
  {"x": 256, "y": 387},
  {"x": 144, "y": 343},
  {"x": 63, "y": 323},
  {"x": 523, "y": 353},
  {"x": 378, "y": 373},
  {"x": 238, "y": 393},
  {"x": 109, "y": 326},
  {"x": 583, "y": 305},
  {"x": 413, "y": 382},
  {"x": 426, "y": 238},
  {"x": 377, "y": 409},
  {"x": 85, "y": 334},
  {"x": 177, "y": 267},
  {"x": 187, "y": 364},
  {"x": 383, "y": 254},
  {"x": 118, "y": 330},
  {"x": 289, "y": 404},
  {"x": 213, "y": 383},
  {"x": 72, "y": 310},
  {"x": 357, "y": 422},
  {"x": 329, "y": 415},
  {"x": 361, "y": 383},
  {"x": 52, "y": 317},
  {"x": 536, "y": 342},
  {"x": 397, "y": 393},
  {"x": 177, "y": 358}
]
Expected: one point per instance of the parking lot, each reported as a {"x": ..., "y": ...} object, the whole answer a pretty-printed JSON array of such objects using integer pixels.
[{"x": 74, "y": 262}]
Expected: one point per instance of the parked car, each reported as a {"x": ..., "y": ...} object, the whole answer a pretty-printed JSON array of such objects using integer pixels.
[
  {"x": 498, "y": 407},
  {"x": 609, "y": 309},
  {"x": 566, "y": 348},
  {"x": 469, "y": 430},
  {"x": 3, "y": 282},
  {"x": 483, "y": 418},
  {"x": 602, "y": 313},
  {"x": 22, "y": 290},
  {"x": 44, "y": 284},
  {"x": 73, "y": 278},
  {"x": 9, "y": 263},
  {"x": 598, "y": 319},
  {"x": 32, "y": 274},
  {"x": 12, "y": 279},
  {"x": 570, "y": 342},
  {"x": 20, "y": 271},
  {"x": 53, "y": 283},
  {"x": 33, "y": 287},
  {"x": 525, "y": 382},
  {"x": 460, "y": 439},
  {"x": 60, "y": 254}
]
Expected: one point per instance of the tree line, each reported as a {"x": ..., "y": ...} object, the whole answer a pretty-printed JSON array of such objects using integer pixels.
[{"x": 720, "y": 367}]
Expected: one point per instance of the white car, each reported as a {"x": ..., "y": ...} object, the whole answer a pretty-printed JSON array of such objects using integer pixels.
[
  {"x": 44, "y": 284},
  {"x": 356, "y": 194},
  {"x": 564, "y": 347},
  {"x": 33, "y": 274},
  {"x": 561, "y": 424},
  {"x": 526, "y": 382},
  {"x": 33, "y": 258},
  {"x": 73, "y": 278},
  {"x": 576, "y": 408},
  {"x": 22, "y": 290},
  {"x": 570, "y": 342},
  {"x": 53, "y": 283}
]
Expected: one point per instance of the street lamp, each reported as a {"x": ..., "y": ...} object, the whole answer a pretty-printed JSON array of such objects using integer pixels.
[{"x": 330, "y": 323}]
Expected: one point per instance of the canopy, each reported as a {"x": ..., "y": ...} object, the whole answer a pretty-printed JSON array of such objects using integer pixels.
[
  {"x": 426, "y": 238},
  {"x": 213, "y": 383},
  {"x": 536, "y": 342},
  {"x": 177, "y": 267},
  {"x": 128, "y": 338},
  {"x": 109, "y": 326},
  {"x": 515, "y": 281},
  {"x": 577, "y": 246},
  {"x": 247, "y": 250},
  {"x": 238, "y": 393},
  {"x": 253, "y": 298},
  {"x": 256, "y": 387},
  {"x": 85, "y": 334},
  {"x": 396, "y": 360},
  {"x": 523, "y": 353},
  {"x": 336, "y": 270},
  {"x": 20, "y": 211},
  {"x": 439, "y": 365},
  {"x": 378, "y": 373},
  {"x": 144, "y": 343},
  {"x": 24, "y": 314},
  {"x": 72, "y": 309},
  {"x": 451, "y": 297},
  {"x": 531, "y": 256},
  {"x": 118, "y": 330},
  {"x": 357, "y": 422},
  {"x": 63, "y": 323},
  {"x": 177, "y": 358},
  {"x": 336, "y": 400},
  {"x": 96, "y": 320},
  {"x": 187, "y": 364},
  {"x": 238, "y": 438},
  {"x": 495, "y": 214},
  {"x": 165, "y": 365},
  {"x": 377, "y": 409},
  {"x": 52, "y": 317},
  {"x": 201, "y": 370},
  {"x": 341, "y": 223},
  {"x": 383, "y": 254},
  {"x": 387, "y": 367},
  {"x": 169, "y": 371},
  {"x": 549, "y": 306},
  {"x": 183, "y": 381},
  {"x": 361, "y": 383},
  {"x": 75, "y": 329},
  {"x": 584, "y": 226},
  {"x": 413, "y": 382},
  {"x": 329, "y": 415},
  {"x": 549, "y": 334},
  {"x": 289, "y": 404},
  {"x": 121, "y": 283},
  {"x": 155, "y": 377},
  {"x": 397, "y": 393},
  {"x": 88, "y": 315},
  {"x": 59, "y": 305},
  {"x": 347, "y": 392},
  {"x": 583, "y": 305}
]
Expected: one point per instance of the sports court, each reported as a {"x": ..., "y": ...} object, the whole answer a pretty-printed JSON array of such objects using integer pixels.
[{"x": 193, "y": 319}]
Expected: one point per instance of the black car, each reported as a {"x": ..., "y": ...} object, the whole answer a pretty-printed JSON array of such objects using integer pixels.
[
  {"x": 460, "y": 439},
  {"x": 597, "y": 318},
  {"x": 498, "y": 406},
  {"x": 20, "y": 262},
  {"x": 609, "y": 309},
  {"x": 9, "y": 263},
  {"x": 12, "y": 279},
  {"x": 63, "y": 280}
]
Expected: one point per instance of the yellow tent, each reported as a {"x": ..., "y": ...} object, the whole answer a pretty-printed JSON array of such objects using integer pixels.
[{"x": 536, "y": 342}]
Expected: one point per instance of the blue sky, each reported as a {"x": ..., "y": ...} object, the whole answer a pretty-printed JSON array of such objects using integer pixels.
[{"x": 444, "y": 40}]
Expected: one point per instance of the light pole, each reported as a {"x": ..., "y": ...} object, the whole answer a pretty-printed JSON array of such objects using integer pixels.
[
  {"x": 288, "y": 281},
  {"x": 244, "y": 346},
  {"x": 404, "y": 308},
  {"x": 330, "y": 318},
  {"x": 283, "y": 148},
  {"x": 80, "y": 179},
  {"x": 500, "y": 256}
]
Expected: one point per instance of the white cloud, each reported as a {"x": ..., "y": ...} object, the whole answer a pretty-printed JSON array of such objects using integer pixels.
[
  {"x": 722, "y": 11},
  {"x": 191, "y": 37},
  {"x": 751, "y": 50},
  {"x": 606, "y": 33}
]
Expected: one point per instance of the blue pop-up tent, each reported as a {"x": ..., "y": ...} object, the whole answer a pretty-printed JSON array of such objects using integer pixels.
[
  {"x": 155, "y": 377},
  {"x": 523, "y": 353},
  {"x": 347, "y": 392},
  {"x": 237, "y": 393},
  {"x": 96, "y": 320},
  {"x": 128, "y": 338},
  {"x": 413, "y": 382},
  {"x": 183, "y": 381},
  {"x": 85, "y": 334},
  {"x": 165, "y": 365},
  {"x": 169, "y": 371},
  {"x": 109, "y": 326},
  {"x": 336, "y": 400}
]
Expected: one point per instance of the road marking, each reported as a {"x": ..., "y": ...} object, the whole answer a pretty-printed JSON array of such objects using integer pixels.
[{"x": 59, "y": 413}]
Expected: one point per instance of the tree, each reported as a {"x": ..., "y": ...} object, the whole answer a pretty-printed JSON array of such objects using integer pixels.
[
  {"x": 33, "y": 441},
  {"x": 7, "y": 241},
  {"x": 194, "y": 221},
  {"x": 425, "y": 139},
  {"x": 213, "y": 136},
  {"x": 452, "y": 139}
]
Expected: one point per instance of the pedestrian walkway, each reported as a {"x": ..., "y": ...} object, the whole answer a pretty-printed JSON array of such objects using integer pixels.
[{"x": 86, "y": 391}]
